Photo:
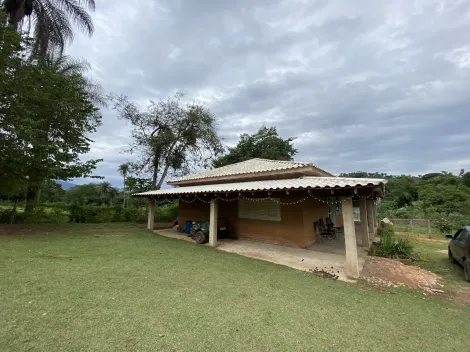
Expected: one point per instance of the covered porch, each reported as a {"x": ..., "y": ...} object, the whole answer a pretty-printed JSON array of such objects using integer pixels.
[{"x": 301, "y": 202}]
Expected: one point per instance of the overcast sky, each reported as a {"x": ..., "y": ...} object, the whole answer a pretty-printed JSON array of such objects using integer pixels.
[{"x": 363, "y": 85}]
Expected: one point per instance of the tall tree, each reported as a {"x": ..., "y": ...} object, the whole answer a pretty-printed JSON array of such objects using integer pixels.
[
  {"x": 51, "y": 20},
  {"x": 124, "y": 170},
  {"x": 266, "y": 144},
  {"x": 71, "y": 66},
  {"x": 169, "y": 136},
  {"x": 45, "y": 120}
]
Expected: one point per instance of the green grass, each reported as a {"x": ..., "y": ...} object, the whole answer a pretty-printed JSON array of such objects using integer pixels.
[
  {"x": 439, "y": 263},
  {"x": 417, "y": 230},
  {"x": 118, "y": 288}
]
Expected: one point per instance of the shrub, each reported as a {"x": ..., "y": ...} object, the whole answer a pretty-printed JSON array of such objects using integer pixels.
[
  {"x": 443, "y": 225},
  {"x": 167, "y": 212},
  {"x": 6, "y": 217},
  {"x": 100, "y": 214},
  {"x": 391, "y": 245}
]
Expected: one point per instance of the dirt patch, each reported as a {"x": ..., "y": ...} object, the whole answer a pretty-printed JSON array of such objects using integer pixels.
[
  {"x": 442, "y": 251},
  {"x": 157, "y": 225},
  {"x": 21, "y": 230},
  {"x": 462, "y": 295},
  {"x": 389, "y": 272},
  {"x": 108, "y": 236},
  {"x": 324, "y": 274}
]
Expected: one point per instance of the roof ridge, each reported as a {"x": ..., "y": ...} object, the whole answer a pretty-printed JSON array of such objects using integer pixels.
[{"x": 280, "y": 161}]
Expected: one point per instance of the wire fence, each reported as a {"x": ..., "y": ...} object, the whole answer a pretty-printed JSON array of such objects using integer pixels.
[{"x": 417, "y": 227}]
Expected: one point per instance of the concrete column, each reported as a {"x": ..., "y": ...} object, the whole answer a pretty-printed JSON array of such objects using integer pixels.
[
  {"x": 151, "y": 214},
  {"x": 214, "y": 213},
  {"x": 364, "y": 224},
  {"x": 376, "y": 219},
  {"x": 352, "y": 265},
  {"x": 370, "y": 217}
]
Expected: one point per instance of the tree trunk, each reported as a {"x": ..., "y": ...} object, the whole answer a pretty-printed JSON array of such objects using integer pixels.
[
  {"x": 31, "y": 198},
  {"x": 124, "y": 194},
  {"x": 13, "y": 213},
  {"x": 154, "y": 178}
]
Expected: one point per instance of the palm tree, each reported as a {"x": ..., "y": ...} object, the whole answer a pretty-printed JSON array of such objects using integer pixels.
[
  {"x": 68, "y": 65},
  {"x": 51, "y": 20},
  {"x": 124, "y": 170}
]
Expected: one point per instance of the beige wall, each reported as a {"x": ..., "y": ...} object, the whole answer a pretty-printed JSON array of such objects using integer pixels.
[{"x": 294, "y": 229}]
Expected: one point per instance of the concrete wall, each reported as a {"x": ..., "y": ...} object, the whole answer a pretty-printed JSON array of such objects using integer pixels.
[{"x": 294, "y": 229}]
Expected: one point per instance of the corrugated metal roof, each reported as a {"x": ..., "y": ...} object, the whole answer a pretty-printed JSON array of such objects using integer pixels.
[
  {"x": 251, "y": 166},
  {"x": 270, "y": 185}
]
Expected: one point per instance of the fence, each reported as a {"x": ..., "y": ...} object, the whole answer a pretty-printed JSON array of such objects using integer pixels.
[{"x": 416, "y": 227}]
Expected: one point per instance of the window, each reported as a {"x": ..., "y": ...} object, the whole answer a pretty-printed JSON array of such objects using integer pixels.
[
  {"x": 463, "y": 236},
  {"x": 259, "y": 210},
  {"x": 457, "y": 234}
]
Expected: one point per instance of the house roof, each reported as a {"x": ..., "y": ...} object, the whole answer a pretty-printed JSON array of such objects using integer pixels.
[
  {"x": 306, "y": 182},
  {"x": 253, "y": 167}
]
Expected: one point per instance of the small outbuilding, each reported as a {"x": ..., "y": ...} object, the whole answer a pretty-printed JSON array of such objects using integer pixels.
[{"x": 282, "y": 202}]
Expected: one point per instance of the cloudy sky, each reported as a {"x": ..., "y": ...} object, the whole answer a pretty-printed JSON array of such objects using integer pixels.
[{"x": 363, "y": 85}]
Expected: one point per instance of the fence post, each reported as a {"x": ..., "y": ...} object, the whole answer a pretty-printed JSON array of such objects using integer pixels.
[
  {"x": 429, "y": 228},
  {"x": 411, "y": 225}
]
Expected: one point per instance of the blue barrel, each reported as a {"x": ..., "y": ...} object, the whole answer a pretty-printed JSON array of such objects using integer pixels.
[{"x": 187, "y": 226}]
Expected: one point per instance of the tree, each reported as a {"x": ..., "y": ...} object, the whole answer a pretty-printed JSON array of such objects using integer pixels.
[
  {"x": 70, "y": 66},
  {"x": 45, "y": 120},
  {"x": 266, "y": 144},
  {"x": 466, "y": 179},
  {"x": 51, "y": 191},
  {"x": 124, "y": 170},
  {"x": 51, "y": 20},
  {"x": 169, "y": 136}
]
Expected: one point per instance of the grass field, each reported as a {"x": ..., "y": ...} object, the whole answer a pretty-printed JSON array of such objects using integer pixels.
[{"x": 119, "y": 288}]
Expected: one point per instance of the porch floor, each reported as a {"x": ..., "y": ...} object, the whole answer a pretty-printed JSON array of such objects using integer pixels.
[{"x": 327, "y": 257}]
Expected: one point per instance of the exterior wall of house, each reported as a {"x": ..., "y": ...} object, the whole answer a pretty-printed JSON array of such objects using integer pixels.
[
  {"x": 294, "y": 229},
  {"x": 200, "y": 211}
]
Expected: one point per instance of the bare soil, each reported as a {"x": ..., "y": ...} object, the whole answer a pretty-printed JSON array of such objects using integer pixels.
[
  {"x": 462, "y": 295},
  {"x": 389, "y": 272},
  {"x": 157, "y": 225},
  {"x": 20, "y": 229}
]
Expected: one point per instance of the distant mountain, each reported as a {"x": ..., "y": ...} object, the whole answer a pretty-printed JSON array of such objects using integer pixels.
[{"x": 65, "y": 185}]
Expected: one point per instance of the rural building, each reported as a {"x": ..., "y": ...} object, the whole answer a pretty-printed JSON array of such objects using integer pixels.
[{"x": 280, "y": 202}]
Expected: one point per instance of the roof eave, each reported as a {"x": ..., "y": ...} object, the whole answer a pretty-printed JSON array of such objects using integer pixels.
[{"x": 239, "y": 176}]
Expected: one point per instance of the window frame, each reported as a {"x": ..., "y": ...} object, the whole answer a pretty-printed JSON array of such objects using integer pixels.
[{"x": 244, "y": 215}]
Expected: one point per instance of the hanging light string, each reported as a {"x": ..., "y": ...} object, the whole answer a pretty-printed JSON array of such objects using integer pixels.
[{"x": 240, "y": 196}]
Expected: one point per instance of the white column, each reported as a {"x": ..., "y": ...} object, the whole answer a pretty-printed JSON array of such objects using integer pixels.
[
  {"x": 370, "y": 217},
  {"x": 376, "y": 219},
  {"x": 364, "y": 224},
  {"x": 151, "y": 214},
  {"x": 213, "y": 223},
  {"x": 352, "y": 265}
]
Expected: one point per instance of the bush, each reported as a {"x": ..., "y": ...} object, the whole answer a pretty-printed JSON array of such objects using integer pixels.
[
  {"x": 100, "y": 214},
  {"x": 6, "y": 216},
  {"x": 443, "y": 225},
  {"x": 167, "y": 212},
  {"x": 391, "y": 245}
]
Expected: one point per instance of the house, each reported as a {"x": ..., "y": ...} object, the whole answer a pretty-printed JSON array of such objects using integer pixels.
[{"x": 278, "y": 202}]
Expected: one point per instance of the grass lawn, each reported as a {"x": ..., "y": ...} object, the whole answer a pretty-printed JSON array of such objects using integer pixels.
[
  {"x": 431, "y": 258},
  {"x": 119, "y": 288}
]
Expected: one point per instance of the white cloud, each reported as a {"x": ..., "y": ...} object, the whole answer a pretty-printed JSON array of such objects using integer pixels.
[{"x": 364, "y": 85}]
